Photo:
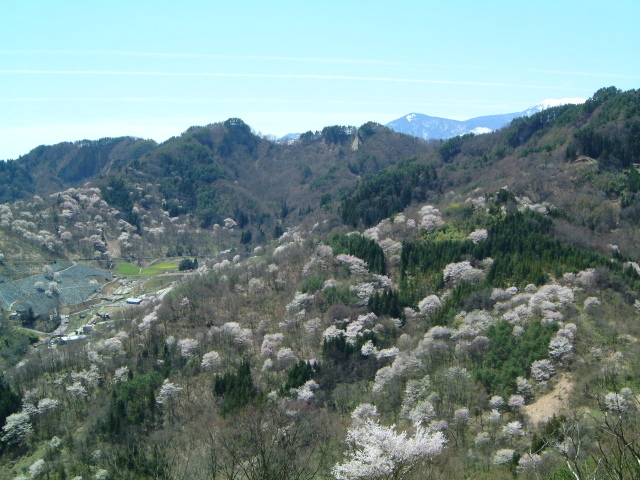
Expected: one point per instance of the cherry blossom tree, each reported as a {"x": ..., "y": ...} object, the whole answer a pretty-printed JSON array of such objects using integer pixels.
[
  {"x": 211, "y": 360},
  {"x": 478, "y": 236},
  {"x": 377, "y": 451},
  {"x": 455, "y": 273},
  {"x": 429, "y": 305},
  {"x": 16, "y": 428},
  {"x": 503, "y": 456},
  {"x": 512, "y": 430},
  {"x": 542, "y": 370}
]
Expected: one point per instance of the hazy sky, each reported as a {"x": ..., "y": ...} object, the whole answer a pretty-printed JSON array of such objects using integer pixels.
[{"x": 71, "y": 70}]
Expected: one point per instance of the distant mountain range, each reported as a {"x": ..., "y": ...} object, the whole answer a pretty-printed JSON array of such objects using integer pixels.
[
  {"x": 428, "y": 128},
  {"x": 438, "y": 128}
]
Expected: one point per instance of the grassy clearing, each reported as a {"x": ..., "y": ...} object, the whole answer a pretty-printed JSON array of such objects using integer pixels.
[
  {"x": 130, "y": 269},
  {"x": 158, "y": 283},
  {"x": 158, "y": 268}
]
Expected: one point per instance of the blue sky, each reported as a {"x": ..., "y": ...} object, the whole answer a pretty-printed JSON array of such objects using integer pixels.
[{"x": 71, "y": 70}]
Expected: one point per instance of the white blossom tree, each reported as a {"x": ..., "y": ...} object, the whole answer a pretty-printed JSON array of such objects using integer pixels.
[
  {"x": 211, "y": 360},
  {"x": 503, "y": 456},
  {"x": 429, "y": 305},
  {"x": 512, "y": 430},
  {"x": 37, "y": 468},
  {"x": 377, "y": 451},
  {"x": 16, "y": 428},
  {"x": 615, "y": 402},
  {"x": 478, "y": 236},
  {"x": 456, "y": 273},
  {"x": 542, "y": 370}
]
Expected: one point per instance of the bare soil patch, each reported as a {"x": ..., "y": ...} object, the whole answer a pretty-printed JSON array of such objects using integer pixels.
[{"x": 552, "y": 403}]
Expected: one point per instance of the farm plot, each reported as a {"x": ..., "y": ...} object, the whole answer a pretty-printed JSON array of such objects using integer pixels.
[
  {"x": 130, "y": 269},
  {"x": 73, "y": 284}
]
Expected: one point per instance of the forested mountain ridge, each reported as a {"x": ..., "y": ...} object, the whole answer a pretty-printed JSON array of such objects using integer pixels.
[
  {"x": 224, "y": 170},
  {"x": 49, "y": 169},
  {"x": 460, "y": 309},
  {"x": 217, "y": 171}
]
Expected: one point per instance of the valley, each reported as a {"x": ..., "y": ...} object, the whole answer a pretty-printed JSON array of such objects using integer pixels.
[{"x": 353, "y": 304}]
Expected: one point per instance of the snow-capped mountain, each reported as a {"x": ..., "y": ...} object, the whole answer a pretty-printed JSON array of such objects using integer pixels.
[
  {"x": 289, "y": 137},
  {"x": 427, "y": 127},
  {"x": 552, "y": 102}
]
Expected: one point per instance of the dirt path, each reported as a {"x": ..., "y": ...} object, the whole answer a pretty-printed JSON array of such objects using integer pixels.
[
  {"x": 113, "y": 247},
  {"x": 552, "y": 403}
]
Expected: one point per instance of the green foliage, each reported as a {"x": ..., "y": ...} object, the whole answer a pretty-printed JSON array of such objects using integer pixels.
[
  {"x": 246, "y": 237},
  {"x": 323, "y": 180},
  {"x": 278, "y": 230},
  {"x": 510, "y": 356},
  {"x": 311, "y": 284},
  {"x": 325, "y": 200},
  {"x": 119, "y": 195},
  {"x": 305, "y": 173},
  {"x": 630, "y": 205},
  {"x": 235, "y": 388},
  {"x": 134, "y": 402},
  {"x": 562, "y": 473},
  {"x": 299, "y": 374},
  {"x": 284, "y": 210},
  {"x": 361, "y": 247},
  {"x": 633, "y": 180},
  {"x": 340, "y": 294},
  {"x": 14, "y": 344},
  {"x": 10, "y": 401},
  {"x": 500, "y": 152},
  {"x": 523, "y": 251},
  {"x": 601, "y": 96},
  {"x": 551, "y": 432},
  {"x": 337, "y": 134},
  {"x": 453, "y": 146},
  {"x": 369, "y": 129},
  {"x": 188, "y": 264},
  {"x": 388, "y": 192},
  {"x": 15, "y": 181},
  {"x": 133, "y": 457},
  {"x": 519, "y": 244},
  {"x": 523, "y": 128},
  {"x": 505, "y": 196},
  {"x": 50, "y": 168},
  {"x": 541, "y": 148},
  {"x": 337, "y": 349},
  {"x": 367, "y": 164},
  {"x": 453, "y": 302},
  {"x": 237, "y": 136},
  {"x": 189, "y": 166},
  {"x": 342, "y": 362},
  {"x": 241, "y": 217},
  {"x": 618, "y": 106},
  {"x": 27, "y": 318},
  {"x": 387, "y": 303},
  {"x": 308, "y": 137},
  {"x": 613, "y": 151}
]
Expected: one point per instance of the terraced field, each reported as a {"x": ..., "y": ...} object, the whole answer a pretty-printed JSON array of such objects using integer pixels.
[{"x": 75, "y": 283}]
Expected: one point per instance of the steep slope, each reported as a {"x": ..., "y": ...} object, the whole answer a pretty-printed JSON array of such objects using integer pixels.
[
  {"x": 50, "y": 168},
  {"x": 223, "y": 171},
  {"x": 480, "y": 288},
  {"x": 180, "y": 196}
]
